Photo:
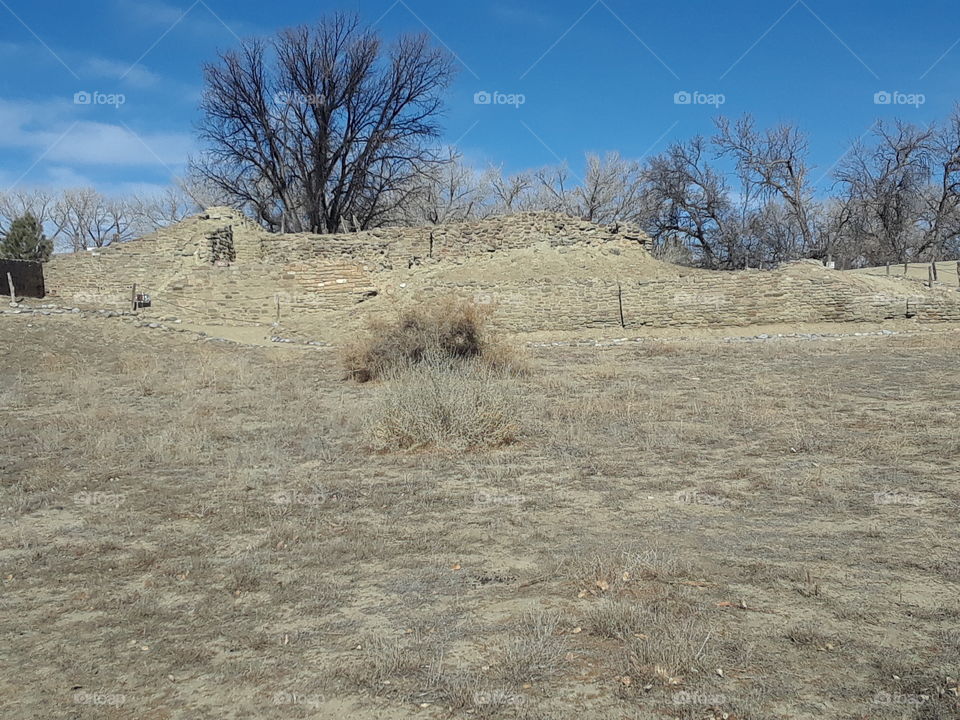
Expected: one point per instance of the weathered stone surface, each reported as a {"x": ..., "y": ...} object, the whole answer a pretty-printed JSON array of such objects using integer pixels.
[{"x": 542, "y": 271}]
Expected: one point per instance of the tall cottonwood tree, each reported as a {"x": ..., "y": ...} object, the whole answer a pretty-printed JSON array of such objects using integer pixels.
[{"x": 323, "y": 127}]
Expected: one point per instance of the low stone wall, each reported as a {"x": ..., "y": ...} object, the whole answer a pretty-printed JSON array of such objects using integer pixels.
[
  {"x": 778, "y": 297},
  {"x": 699, "y": 300},
  {"x": 104, "y": 277}
]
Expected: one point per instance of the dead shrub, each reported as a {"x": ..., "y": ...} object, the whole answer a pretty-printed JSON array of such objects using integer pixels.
[{"x": 451, "y": 328}]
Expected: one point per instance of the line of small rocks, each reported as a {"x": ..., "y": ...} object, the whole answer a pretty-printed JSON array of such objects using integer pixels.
[
  {"x": 49, "y": 309},
  {"x": 729, "y": 339},
  {"x": 160, "y": 324},
  {"x": 60, "y": 310}
]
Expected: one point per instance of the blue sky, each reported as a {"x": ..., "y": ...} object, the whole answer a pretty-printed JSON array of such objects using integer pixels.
[{"x": 594, "y": 76}]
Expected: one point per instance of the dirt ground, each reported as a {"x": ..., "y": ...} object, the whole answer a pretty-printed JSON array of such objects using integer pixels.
[{"x": 686, "y": 530}]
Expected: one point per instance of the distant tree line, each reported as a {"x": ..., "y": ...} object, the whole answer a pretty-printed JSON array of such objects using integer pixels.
[
  {"x": 327, "y": 128},
  {"x": 743, "y": 197},
  {"x": 83, "y": 218}
]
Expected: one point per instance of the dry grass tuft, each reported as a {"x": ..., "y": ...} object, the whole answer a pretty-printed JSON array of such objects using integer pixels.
[
  {"x": 446, "y": 383},
  {"x": 534, "y": 653},
  {"x": 672, "y": 646},
  {"x": 451, "y": 328},
  {"x": 445, "y": 404}
]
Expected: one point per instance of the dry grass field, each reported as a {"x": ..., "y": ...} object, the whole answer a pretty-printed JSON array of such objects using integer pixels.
[{"x": 672, "y": 529}]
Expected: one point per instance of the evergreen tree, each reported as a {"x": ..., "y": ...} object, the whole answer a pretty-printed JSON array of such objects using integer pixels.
[{"x": 26, "y": 241}]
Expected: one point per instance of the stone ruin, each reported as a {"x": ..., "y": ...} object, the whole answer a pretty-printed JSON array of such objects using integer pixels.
[
  {"x": 541, "y": 271},
  {"x": 219, "y": 247}
]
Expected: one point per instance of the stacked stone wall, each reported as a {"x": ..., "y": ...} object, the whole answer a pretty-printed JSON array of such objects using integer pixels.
[
  {"x": 402, "y": 247},
  {"x": 702, "y": 300},
  {"x": 217, "y": 266}
]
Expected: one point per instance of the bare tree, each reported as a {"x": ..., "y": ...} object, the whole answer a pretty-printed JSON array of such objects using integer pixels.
[
  {"x": 884, "y": 186},
  {"x": 150, "y": 212},
  {"x": 513, "y": 193},
  {"x": 940, "y": 214},
  {"x": 450, "y": 191},
  {"x": 688, "y": 202},
  {"x": 37, "y": 202},
  {"x": 775, "y": 161},
  {"x": 611, "y": 189},
  {"x": 322, "y": 126},
  {"x": 554, "y": 189},
  {"x": 770, "y": 235},
  {"x": 84, "y": 218}
]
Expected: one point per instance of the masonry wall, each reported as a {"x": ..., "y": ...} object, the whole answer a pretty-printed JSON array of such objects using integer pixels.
[
  {"x": 103, "y": 277},
  {"x": 217, "y": 267},
  {"x": 701, "y": 300},
  {"x": 255, "y": 293},
  {"x": 393, "y": 247}
]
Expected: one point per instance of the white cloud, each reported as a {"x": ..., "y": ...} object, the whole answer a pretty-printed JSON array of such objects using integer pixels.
[
  {"x": 87, "y": 67},
  {"x": 93, "y": 143},
  {"x": 521, "y": 16},
  {"x": 200, "y": 19},
  {"x": 134, "y": 75},
  {"x": 153, "y": 12},
  {"x": 58, "y": 131}
]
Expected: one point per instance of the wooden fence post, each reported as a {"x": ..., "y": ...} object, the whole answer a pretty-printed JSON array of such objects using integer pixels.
[
  {"x": 930, "y": 277},
  {"x": 12, "y": 289},
  {"x": 133, "y": 298},
  {"x": 933, "y": 266},
  {"x": 888, "y": 269}
]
